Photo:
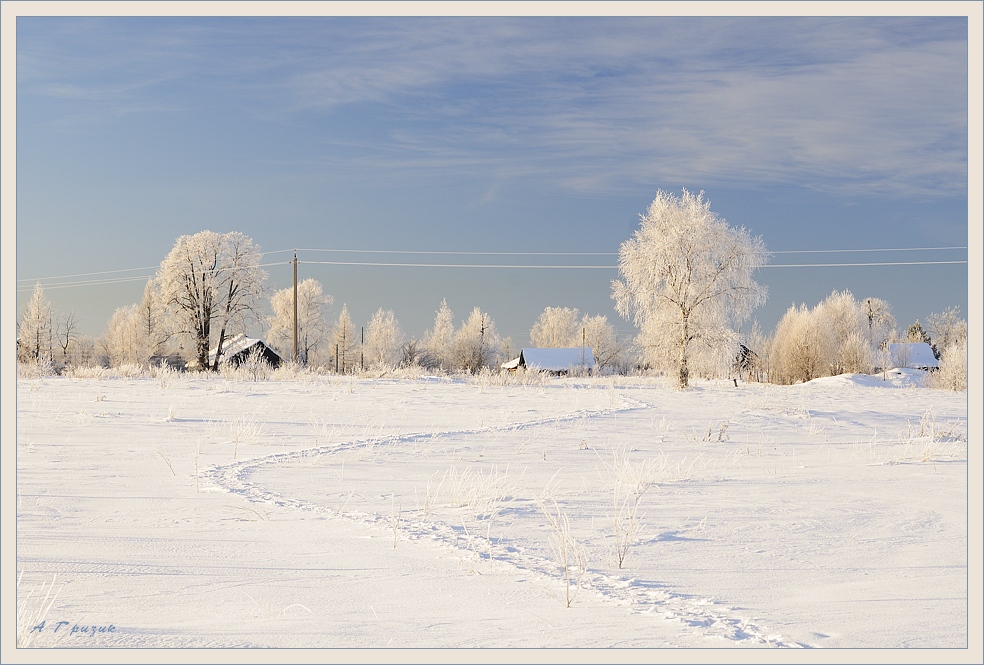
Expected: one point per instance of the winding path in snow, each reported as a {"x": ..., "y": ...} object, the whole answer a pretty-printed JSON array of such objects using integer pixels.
[{"x": 703, "y": 615}]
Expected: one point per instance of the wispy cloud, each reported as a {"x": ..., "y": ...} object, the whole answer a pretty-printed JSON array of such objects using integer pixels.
[{"x": 876, "y": 105}]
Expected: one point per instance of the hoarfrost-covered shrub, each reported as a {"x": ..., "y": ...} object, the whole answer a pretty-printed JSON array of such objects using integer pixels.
[
  {"x": 35, "y": 369},
  {"x": 164, "y": 373},
  {"x": 129, "y": 371},
  {"x": 952, "y": 374},
  {"x": 801, "y": 348},
  {"x": 291, "y": 371},
  {"x": 832, "y": 338},
  {"x": 87, "y": 372},
  {"x": 253, "y": 367}
]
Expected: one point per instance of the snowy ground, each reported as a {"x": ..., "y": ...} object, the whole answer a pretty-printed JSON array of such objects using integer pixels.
[{"x": 347, "y": 513}]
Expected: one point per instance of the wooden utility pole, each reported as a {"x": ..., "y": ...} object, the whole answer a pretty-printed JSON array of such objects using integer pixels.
[{"x": 295, "y": 306}]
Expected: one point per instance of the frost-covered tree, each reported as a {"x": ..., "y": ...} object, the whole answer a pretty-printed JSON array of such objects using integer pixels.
[
  {"x": 345, "y": 342},
  {"x": 124, "y": 342},
  {"x": 686, "y": 279},
  {"x": 85, "y": 351},
  {"x": 477, "y": 344},
  {"x": 881, "y": 323},
  {"x": 915, "y": 333},
  {"x": 946, "y": 328},
  {"x": 135, "y": 333},
  {"x": 412, "y": 353},
  {"x": 210, "y": 286},
  {"x": 561, "y": 327},
  {"x": 313, "y": 329},
  {"x": 600, "y": 336},
  {"x": 384, "y": 340},
  {"x": 845, "y": 319},
  {"x": 438, "y": 342},
  {"x": 66, "y": 334},
  {"x": 151, "y": 314},
  {"x": 35, "y": 334},
  {"x": 557, "y": 327}
]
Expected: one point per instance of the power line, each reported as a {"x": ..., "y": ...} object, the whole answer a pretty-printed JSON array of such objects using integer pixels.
[
  {"x": 408, "y": 251},
  {"x": 845, "y": 251},
  {"x": 465, "y": 253},
  {"x": 588, "y": 267},
  {"x": 27, "y": 284},
  {"x": 87, "y": 274},
  {"x": 456, "y": 265},
  {"x": 90, "y": 282},
  {"x": 855, "y": 265}
]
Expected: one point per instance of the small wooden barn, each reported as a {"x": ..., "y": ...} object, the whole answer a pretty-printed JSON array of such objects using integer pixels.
[
  {"x": 555, "y": 361},
  {"x": 238, "y": 348}
]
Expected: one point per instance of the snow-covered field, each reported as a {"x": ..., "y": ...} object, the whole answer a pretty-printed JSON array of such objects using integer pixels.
[{"x": 344, "y": 512}]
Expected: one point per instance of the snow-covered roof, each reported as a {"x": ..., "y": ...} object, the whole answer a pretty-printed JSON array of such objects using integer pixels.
[
  {"x": 512, "y": 364},
  {"x": 914, "y": 355},
  {"x": 557, "y": 360},
  {"x": 235, "y": 344}
]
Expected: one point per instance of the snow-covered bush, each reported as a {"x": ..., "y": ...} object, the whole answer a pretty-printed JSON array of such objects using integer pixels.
[
  {"x": 129, "y": 371},
  {"x": 801, "y": 348},
  {"x": 521, "y": 376},
  {"x": 570, "y": 553},
  {"x": 35, "y": 369},
  {"x": 86, "y": 372},
  {"x": 254, "y": 367},
  {"x": 952, "y": 374},
  {"x": 164, "y": 373},
  {"x": 832, "y": 338}
]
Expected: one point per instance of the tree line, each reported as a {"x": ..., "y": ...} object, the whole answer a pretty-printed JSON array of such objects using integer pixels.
[{"x": 686, "y": 282}]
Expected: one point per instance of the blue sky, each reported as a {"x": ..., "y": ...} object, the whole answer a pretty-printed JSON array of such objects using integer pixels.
[{"x": 510, "y": 134}]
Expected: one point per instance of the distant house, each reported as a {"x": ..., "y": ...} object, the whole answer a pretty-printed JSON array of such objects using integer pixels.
[
  {"x": 913, "y": 355},
  {"x": 238, "y": 348},
  {"x": 172, "y": 360},
  {"x": 557, "y": 361}
]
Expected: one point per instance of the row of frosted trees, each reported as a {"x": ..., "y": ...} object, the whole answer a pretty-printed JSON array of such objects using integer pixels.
[
  {"x": 136, "y": 335},
  {"x": 842, "y": 335},
  {"x": 686, "y": 283},
  {"x": 210, "y": 287}
]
